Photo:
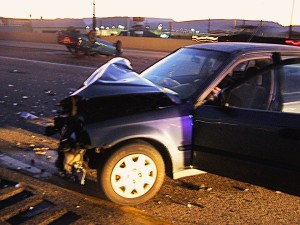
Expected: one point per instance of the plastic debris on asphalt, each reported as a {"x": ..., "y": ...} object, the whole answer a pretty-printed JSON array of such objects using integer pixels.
[
  {"x": 49, "y": 92},
  {"x": 27, "y": 115},
  {"x": 40, "y": 151}
]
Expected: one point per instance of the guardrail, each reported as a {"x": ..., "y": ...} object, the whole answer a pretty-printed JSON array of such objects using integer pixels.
[{"x": 141, "y": 43}]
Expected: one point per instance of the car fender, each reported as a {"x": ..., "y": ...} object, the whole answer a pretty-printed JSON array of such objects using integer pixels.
[{"x": 172, "y": 132}]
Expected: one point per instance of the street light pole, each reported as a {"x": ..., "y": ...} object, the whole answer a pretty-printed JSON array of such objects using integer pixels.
[
  {"x": 291, "y": 21},
  {"x": 94, "y": 16}
]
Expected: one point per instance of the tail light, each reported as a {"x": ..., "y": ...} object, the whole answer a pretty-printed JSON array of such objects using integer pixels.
[
  {"x": 292, "y": 42},
  {"x": 66, "y": 40}
]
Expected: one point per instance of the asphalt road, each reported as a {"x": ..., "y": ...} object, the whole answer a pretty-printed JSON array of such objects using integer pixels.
[{"x": 35, "y": 79}]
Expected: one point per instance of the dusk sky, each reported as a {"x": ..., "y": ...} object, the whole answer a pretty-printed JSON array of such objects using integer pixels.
[{"x": 281, "y": 11}]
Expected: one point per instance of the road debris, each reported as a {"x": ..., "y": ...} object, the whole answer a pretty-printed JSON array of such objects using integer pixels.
[
  {"x": 241, "y": 188},
  {"x": 27, "y": 115},
  {"x": 49, "y": 92},
  {"x": 40, "y": 151},
  {"x": 203, "y": 187}
]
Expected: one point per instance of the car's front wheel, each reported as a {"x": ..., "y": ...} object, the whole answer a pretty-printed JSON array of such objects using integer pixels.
[{"x": 132, "y": 174}]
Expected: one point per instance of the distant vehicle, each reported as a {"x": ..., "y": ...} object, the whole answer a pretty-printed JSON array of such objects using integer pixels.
[
  {"x": 258, "y": 39},
  {"x": 78, "y": 43},
  {"x": 204, "y": 38},
  {"x": 164, "y": 36},
  {"x": 216, "y": 107}
]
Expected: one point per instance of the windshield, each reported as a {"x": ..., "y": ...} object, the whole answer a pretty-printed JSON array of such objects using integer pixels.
[{"x": 185, "y": 71}]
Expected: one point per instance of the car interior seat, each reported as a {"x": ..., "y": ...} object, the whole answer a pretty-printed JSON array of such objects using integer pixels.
[{"x": 252, "y": 93}]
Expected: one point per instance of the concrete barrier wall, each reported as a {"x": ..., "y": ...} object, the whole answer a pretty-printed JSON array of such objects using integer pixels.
[
  {"x": 28, "y": 36},
  {"x": 145, "y": 43},
  {"x": 142, "y": 43}
]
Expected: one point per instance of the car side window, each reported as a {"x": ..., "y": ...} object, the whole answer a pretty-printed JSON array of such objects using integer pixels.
[
  {"x": 255, "y": 89},
  {"x": 290, "y": 88}
]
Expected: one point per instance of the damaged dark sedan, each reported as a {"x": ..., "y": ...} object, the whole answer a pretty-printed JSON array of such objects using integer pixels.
[{"x": 199, "y": 107}]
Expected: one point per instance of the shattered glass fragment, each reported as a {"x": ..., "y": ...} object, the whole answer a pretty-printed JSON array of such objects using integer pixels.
[
  {"x": 27, "y": 115},
  {"x": 49, "y": 92}
]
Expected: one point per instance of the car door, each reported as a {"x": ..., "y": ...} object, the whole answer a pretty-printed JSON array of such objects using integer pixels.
[{"x": 258, "y": 125}]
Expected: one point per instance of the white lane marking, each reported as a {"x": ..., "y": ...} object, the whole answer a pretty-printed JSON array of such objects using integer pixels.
[{"x": 49, "y": 63}]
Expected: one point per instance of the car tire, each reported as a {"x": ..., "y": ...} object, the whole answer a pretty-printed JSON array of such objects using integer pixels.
[
  {"x": 118, "y": 46},
  {"x": 132, "y": 174}
]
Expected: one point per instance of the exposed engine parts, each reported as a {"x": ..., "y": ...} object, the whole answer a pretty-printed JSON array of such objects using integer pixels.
[{"x": 72, "y": 147}]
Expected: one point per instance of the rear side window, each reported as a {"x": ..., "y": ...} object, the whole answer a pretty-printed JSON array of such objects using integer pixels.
[{"x": 290, "y": 88}]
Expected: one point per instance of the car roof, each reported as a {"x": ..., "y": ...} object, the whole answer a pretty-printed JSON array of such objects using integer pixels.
[{"x": 244, "y": 47}]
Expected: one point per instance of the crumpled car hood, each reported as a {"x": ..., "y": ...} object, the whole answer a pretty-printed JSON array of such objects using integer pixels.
[
  {"x": 116, "y": 90},
  {"x": 115, "y": 78}
]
